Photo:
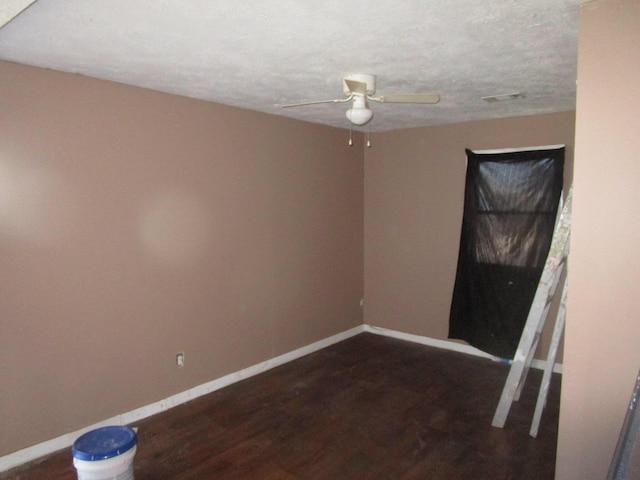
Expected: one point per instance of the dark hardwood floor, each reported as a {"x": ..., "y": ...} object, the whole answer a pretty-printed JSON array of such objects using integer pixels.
[{"x": 370, "y": 407}]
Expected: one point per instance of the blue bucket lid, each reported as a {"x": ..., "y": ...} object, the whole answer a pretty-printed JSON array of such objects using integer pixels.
[{"x": 103, "y": 443}]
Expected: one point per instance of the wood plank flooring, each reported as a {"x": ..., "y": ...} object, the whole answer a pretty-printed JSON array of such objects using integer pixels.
[{"x": 370, "y": 407}]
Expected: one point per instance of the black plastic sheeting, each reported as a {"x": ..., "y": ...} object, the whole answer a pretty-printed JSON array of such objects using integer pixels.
[{"x": 510, "y": 208}]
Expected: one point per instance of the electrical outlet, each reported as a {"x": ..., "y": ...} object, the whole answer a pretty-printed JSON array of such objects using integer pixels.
[{"x": 180, "y": 359}]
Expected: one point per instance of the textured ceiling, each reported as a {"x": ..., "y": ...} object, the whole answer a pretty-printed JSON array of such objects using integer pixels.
[{"x": 261, "y": 54}]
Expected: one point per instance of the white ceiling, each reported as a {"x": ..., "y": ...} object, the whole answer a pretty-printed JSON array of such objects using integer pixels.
[{"x": 261, "y": 54}]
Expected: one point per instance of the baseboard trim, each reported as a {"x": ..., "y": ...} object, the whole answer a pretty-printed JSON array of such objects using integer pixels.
[
  {"x": 34, "y": 452},
  {"x": 453, "y": 346}
]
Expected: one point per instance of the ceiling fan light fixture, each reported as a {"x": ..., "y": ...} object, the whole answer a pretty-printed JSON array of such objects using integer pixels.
[
  {"x": 360, "y": 116},
  {"x": 359, "y": 88}
]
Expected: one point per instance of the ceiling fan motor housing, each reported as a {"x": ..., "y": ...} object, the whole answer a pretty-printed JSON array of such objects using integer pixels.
[{"x": 366, "y": 78}]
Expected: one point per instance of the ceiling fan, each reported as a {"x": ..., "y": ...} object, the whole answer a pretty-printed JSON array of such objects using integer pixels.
[{"x": 359, "y": 88}]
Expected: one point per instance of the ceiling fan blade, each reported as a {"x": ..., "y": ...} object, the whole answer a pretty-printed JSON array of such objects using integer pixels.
[
  {"x": 338, "y": 100},
  {"x": 408, "y": 98},
  {"x": 356, "y": 87}
]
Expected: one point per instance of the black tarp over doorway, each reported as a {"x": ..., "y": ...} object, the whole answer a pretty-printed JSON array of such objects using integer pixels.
[{"x": 510, "y": 207}]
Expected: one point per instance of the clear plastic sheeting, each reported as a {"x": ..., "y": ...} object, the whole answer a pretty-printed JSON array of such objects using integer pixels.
[{"x": 510, "y": 208}]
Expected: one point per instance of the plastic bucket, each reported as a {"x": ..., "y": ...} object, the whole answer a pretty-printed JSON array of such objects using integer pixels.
[{"x": 105, "y": 454}]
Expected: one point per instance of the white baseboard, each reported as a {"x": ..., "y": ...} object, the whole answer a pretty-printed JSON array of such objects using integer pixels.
[
  {"x": 28, "y": 454},
  {"x": 453, "y": 346}
]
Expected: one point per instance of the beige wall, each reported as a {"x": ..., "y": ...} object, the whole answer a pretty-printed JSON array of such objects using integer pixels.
[
  {"x": 602, "y": 350},
  {"x": 414, "y": 194},
  {"x": 135, "y": 224}
]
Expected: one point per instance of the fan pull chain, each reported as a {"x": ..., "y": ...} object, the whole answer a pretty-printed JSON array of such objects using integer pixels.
[{"x": 368, "y": 137}]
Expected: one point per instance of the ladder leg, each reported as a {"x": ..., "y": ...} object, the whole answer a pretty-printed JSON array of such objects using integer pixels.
[
  {"x": 517, "y": 373},
  {"x": 527, "y": 365},
  {"x": 508, "y": 393},
  {"x": 551, "y": 360}
]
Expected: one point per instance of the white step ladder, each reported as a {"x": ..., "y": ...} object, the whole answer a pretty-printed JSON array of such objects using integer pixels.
[{"x": 545, "y": 293}]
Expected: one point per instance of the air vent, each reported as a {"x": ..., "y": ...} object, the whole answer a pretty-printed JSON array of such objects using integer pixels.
[{"x": 504, "y": 97}]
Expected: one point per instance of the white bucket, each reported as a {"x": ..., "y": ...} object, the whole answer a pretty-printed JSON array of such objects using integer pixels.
[{"x": 105, "y": 454}]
